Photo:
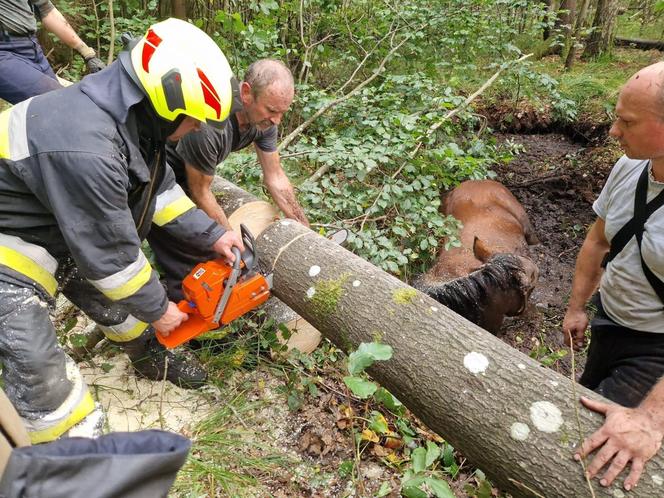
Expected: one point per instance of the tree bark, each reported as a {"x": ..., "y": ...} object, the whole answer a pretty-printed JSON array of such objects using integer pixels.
[
  {"x": 601, "y": 38},
  {"x": 179, "y": 9},
  {"x": 510, "y": 416}
]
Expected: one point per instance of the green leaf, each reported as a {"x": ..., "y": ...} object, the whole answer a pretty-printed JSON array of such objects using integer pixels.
[
  {"x": 419, "y": 459},
  {"x": 360, "y": 387},
  {"x": 433, "y": 452},
  {"x": 377, "y": 423},
  {"x": 366, "y": 354},
  {"x": 411, "y": 488},
  {"x": 385, "y": 489},
  {"x": 78, "y": 340},
  {"x": 389, "y": 401},
  {"x": 294, "y": 401},
  {"x": 439, "y": 488},
  {"x": 346, "y": 468},
  {"x": 448, "y": 455},
  {"x": 106, "y": 367}
]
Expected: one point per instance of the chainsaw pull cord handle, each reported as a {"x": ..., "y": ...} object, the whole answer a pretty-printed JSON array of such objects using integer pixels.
[{"x": 228, "y": 287}]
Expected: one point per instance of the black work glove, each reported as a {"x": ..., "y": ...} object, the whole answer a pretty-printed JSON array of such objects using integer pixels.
[{"x": 94, "y": 64}]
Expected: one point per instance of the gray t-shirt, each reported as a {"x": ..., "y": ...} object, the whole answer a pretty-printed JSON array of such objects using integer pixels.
[
  {"x": 17, "y": 17},
  {"x": 209, "y": 146},
  {"x": 627, "y": 296}
]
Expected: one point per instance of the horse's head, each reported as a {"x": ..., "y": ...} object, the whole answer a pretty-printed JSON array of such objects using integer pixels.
[{"x": 516, "y": 275}]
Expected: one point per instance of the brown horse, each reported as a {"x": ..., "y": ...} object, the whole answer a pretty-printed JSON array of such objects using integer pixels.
[{"x": 489, "y": 275}]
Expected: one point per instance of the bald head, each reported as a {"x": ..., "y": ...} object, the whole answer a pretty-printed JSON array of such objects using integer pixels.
[
  {"x": 267, "y": 72},
  {"x": 646, "y": 89}
]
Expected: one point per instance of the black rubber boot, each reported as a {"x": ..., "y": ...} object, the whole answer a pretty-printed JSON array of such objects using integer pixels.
[{"x": 148, "y": 357}]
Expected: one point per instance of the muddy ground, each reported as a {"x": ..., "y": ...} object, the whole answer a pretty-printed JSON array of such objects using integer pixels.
[{"x": 556, "y": 179}]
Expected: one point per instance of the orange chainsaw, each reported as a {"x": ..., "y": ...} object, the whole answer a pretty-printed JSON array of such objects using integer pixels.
[{"x": 217, "y": 293}]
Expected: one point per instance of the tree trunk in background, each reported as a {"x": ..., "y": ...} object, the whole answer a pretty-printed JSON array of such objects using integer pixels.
[
  {"x": 601, "y": 38},
  {"x": 561, "y": 27},
  {"x": 179, "y": 9},
  {"x": 568, "y": 28},
  {"x": 546, "y": 32},
  {"x": 512, "y": 417},
  {"x": 575, "y": 38}
]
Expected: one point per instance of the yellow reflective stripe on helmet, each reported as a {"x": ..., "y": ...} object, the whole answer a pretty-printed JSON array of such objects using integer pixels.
[
  {"x": 31, "y": 260},
  {"x": 82, "y": 410},
  {"x": 127, "y": 281},
  {"x": 4, "y": 134},
  {"x": 171, "y": 204},
  {"x": 130, "y": 329}
]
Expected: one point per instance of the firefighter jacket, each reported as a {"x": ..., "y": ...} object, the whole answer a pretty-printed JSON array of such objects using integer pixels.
[{"x": 76, "y": 180}]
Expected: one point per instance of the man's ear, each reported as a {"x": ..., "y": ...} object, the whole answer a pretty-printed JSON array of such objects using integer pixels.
[
  {"x": 481, "y": 250},
  {"x": 246, "y": 95}
]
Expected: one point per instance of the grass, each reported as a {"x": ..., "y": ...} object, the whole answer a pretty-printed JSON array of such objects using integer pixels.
[
  {"x": 227, "y": 458},
  {"x": 630, "y": 25}
]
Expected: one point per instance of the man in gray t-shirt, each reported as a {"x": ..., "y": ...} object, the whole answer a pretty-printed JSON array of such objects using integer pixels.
[
  {"x": 262, "y": 99},
  {"x": 626, "y": 355},
  {"x": 24, "y": 70}
]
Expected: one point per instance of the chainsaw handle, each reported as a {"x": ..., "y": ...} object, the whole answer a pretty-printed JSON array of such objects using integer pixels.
[{"x": 238, "y": 258}]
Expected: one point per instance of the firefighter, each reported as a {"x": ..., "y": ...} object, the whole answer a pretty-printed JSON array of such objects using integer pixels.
[{"x": 83, "y": 179}]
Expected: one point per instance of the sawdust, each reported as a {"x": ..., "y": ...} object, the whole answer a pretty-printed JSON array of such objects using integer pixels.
[{"x": 132, "y": 403}]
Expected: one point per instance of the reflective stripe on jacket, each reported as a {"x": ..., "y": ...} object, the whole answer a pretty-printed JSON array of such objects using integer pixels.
[{"x": 70, "y": 160}]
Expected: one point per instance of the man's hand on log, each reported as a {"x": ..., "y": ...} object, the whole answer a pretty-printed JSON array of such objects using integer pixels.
[{"x": 629, "y": 435}]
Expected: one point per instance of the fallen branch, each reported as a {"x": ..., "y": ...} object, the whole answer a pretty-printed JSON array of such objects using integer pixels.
[{"x": 638, "y": 43}]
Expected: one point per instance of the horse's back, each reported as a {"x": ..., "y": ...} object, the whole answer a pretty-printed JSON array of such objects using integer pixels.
[{"x": 488, "y": 210}]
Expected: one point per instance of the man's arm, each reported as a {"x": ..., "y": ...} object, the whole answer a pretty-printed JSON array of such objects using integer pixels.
[
  {"x": 587, "y": 274},
  {"x": 200, "y": 189},
  {"x": 629, "y": 435},
  {"x": 55, "y": 22},
  {"x": 279, "y": 186}
]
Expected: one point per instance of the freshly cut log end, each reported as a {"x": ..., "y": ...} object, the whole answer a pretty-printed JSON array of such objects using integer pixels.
[{"x": 255, "y": 215}]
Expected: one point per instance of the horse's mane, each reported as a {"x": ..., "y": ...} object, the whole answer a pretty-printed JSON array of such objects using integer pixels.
[{"x": 468, "y": 296}]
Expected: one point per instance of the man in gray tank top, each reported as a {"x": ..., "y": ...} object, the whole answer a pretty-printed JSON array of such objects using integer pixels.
[
  {"x": 623, "y": 255},
  {"x": 24, "y": 70}
]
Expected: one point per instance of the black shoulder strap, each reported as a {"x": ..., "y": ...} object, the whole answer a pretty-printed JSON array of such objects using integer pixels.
[
  {"x": 635, "y": 228},
  {"x": 642, "y": 212}
]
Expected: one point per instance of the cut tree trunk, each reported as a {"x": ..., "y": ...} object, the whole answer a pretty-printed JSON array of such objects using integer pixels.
[
  {"x": 242, "y": 207},
  {"x": 637, "y": 43},
  {"x": 515, "y": 419}
]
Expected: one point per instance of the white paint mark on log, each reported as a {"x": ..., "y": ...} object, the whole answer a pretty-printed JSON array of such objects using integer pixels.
[
  {"x": 434, "y": 309},
  {"x": 521, "y": 366},
  {"x": 657, "y": 479},
  {"x": 519, "y": 431},
  {"x": 546, "y": 416},
  {"x": 314, "y": 270},
  {"x": 554, "y": 383},
  {"x": 356, "y": 283},
  {"x": 310, "y": 292},
  {"x": 475, "y": 362},
  {"x": 285, "y": 222}
]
